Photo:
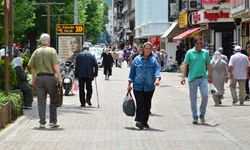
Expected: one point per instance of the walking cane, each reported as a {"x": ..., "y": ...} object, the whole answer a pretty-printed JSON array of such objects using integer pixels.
[{"x": 97, "y": 93}]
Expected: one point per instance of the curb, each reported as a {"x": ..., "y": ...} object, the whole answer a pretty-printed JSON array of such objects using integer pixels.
[{"x": 12, "y": 127}]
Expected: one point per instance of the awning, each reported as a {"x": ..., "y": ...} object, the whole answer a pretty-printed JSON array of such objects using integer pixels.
[
  {"x": 186, "y": 33},
  {"x": 169, "y": 30}
]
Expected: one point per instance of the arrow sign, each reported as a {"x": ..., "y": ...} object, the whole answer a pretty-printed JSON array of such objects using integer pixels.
[{"x": 69, "y": 29}]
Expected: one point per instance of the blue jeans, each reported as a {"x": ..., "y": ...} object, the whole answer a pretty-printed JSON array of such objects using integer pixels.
[{"x": 193, "y": 87}]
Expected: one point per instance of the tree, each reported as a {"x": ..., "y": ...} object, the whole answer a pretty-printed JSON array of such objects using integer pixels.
[{"x": 93, "y": 16}]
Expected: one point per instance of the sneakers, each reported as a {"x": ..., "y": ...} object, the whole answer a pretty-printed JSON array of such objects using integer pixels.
[
  {"x": 53, "y": 125},
  {"x": 42, "y": 125},
  {"x": 139, "y": 125},
  {"x": 235, "y": 101},
  {"x": 195, "y": 121},
  {"x": 202, "y": 119}
]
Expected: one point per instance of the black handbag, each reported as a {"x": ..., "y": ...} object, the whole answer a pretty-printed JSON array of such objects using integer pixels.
[
  {"x": 129, "y": 105},
  {"x": 59, "y": 95}
]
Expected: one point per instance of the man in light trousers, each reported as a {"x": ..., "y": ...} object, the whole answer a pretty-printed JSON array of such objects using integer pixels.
[{"x": 198, "y": 61}]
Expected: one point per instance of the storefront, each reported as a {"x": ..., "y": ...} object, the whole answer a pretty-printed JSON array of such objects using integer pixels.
[
  {"x": 240, "y": 11},
  {"x": 219, "y": 30}
]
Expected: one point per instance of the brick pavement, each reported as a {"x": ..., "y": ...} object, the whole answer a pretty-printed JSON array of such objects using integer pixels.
[{"x": 107, "y": 128}]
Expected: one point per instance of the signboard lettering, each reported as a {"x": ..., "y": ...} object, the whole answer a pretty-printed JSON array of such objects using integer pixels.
[{"x": 69, "y": 29}]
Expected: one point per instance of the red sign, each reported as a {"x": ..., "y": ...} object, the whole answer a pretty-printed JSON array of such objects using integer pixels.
[
  {"x": 213, "y": 1},
  {"x": 216, "y": 15},
  {"x": 206, "y": 16},
  {"x": 155, "y": 40}
]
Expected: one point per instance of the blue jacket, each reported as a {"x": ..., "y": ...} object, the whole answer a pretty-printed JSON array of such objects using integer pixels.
[
  {"x": 143, "y": 73},
  {"x": 86, "y": 65}
]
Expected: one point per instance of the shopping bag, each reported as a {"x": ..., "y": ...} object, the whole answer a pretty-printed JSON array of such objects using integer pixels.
[
  {"x": 75, "y": 86},
  {"x": 129, "y": 105},
  {"x": 59, "y": 95},
  {"x": 212, "y": 88}
]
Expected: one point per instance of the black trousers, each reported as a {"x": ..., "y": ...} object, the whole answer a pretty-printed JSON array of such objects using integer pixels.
[
  {"x": 143, "y": 105},
  {"x": 82, "y": 83},
  {"x": 107, "y": 70},
  {"x": 247, "y": 87},
  {"x": 27, "y": 93}
]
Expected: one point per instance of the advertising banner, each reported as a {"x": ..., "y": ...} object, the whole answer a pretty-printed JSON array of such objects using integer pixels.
[
  {"x": 69, "y": 44},
  {"x": 237, "y": 6}
]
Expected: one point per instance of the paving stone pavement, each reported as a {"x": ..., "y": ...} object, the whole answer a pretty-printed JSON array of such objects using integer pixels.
[{"x": 107, "y": 128}]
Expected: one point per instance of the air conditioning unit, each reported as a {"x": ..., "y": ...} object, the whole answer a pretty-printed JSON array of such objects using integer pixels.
[
  {"x": 194, "y": 4},
  {"x": 173, "y": 9}
]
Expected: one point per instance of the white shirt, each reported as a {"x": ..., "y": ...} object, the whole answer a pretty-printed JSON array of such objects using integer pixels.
[
  {"x": 239, "y": 63},
  {"x": 120, "y": 54}
]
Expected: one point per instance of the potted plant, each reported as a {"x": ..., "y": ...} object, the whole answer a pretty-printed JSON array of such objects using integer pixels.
[{"x": 5, "y": 110}]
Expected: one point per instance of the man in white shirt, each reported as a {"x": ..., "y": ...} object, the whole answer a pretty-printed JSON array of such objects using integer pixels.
[{"x": 238, "y": 71}]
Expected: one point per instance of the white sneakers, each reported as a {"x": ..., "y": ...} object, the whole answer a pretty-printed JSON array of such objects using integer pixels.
[{"x": 52, "y": 125}]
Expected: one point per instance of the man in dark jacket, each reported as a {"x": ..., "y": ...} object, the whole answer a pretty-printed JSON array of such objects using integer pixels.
[{"x": 86, "y": 69}]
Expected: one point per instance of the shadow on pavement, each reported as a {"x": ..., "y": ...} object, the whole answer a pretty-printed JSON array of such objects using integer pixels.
[
  {"x": 207, "y": 124},
  {"x": 148, "y": 129},
  {"x": 224, "y": 106},
  {"x": 157, "y": 115},
  {"x": 48, "y": 129}
]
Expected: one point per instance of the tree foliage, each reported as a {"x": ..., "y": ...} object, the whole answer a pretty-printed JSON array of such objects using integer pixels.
[
  {"x": 25, "y": 20},
  {"x": 92, "y": 15}
]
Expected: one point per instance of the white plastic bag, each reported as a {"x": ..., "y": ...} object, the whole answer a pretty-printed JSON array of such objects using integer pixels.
[{"x": 212, "y": 89}]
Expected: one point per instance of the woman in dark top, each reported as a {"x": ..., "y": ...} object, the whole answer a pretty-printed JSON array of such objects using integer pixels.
[
  {"x": 107, "y": 63},
  {"x": 22, "y": 83}
]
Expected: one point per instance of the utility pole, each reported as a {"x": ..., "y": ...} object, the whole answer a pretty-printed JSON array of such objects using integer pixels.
[
  {"x": 75, "y": 11},
  {"x": 59, "y": 16},
  {"x": 48, "y": 12},
  {"x": 8, "y": 25}
]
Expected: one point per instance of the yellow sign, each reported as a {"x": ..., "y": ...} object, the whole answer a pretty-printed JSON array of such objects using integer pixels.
[
  {"x": 69, "y": 29},
  {"x": 183, "y": 19}
]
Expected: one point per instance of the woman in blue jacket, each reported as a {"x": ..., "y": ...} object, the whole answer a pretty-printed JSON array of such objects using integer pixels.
[{"x": 145, "y": 75}]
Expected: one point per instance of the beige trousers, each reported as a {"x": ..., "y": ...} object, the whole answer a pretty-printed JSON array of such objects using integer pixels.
[{"x": 242, "y": 89}]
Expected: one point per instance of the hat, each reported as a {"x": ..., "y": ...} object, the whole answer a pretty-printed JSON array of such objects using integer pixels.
[
  {"x": 44, "y": 37},
  {"x": 220, "y": 49},
  {"x": 237, "y": 48}
]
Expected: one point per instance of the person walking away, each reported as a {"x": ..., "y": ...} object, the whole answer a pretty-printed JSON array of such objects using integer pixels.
[
  {"x": 127, "y": 55},
  {"x": 179, "y": 54},
  {"x": 44, "y": 66},
  {"x": 224, "y": 57},
  {"x": 238, "y": 71},
  {"x": 22, "y": 82},
  {"x": 144, "y": 75},
  {"x": 198, "y": 61},
  {"x": 107, "y": 63},
  {"x": 120, "y": 58},
  {"x": 219, "y": 76},
  {"x": 86, "y": 69}
]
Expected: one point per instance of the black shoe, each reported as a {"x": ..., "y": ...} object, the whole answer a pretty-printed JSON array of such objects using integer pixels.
[
  {"x": 139, "y": 125},
  {"x": 82, "y": 105},
  {"x": 89, "y": 103},
  {"x": 145, "y": 125}
]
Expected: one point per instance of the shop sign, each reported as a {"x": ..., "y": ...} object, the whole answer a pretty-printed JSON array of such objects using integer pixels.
[
  {"x": 69, "y": 29},
  {"x": 182, "y": 19},
  {"x": 213, "y": 1},
  {"x": 155, "y": 40},
  {"x": 237, "y": 6},
  {"x": 207, "y": 16}
]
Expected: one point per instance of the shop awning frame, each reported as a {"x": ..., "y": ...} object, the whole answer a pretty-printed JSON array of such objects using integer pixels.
[
  {"x": 169, "y": 30},
  {"x": 186, "y": 33}
]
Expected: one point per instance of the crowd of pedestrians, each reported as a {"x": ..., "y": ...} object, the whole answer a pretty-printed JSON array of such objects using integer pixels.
[{"x": 145, "y": 63}]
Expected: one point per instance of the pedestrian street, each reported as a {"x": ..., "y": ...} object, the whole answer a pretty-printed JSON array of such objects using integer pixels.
[{"x": 107, "y": 128}]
